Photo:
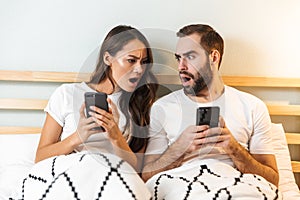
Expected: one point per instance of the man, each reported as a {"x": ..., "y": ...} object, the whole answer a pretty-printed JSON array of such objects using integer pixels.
[{"x": 242, "y": 140}]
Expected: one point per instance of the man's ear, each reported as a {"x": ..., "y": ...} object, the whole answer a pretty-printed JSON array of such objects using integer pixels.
[
  {"x": 107, "y": 58},
  {"x": 215, "y": 57}
]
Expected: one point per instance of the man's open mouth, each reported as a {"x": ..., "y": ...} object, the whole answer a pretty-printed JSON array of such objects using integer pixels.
[
  {"x": 186, "y": 79},
  {"x": 185, "y": 76}
]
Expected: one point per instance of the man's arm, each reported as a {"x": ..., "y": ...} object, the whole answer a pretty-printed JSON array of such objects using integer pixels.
[
  {"x": 260, "y": 164},
  {"x": 173, "y": 156},
  {"x": 154, "y": 164}
]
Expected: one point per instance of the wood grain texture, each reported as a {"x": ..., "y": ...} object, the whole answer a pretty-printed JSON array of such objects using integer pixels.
[{"x": 69, "y": 77}]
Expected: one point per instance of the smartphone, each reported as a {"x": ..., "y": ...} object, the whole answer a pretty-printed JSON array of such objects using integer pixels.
[
  {"x": 98, "y": 99},
  {"x": 208, "y": 116}
]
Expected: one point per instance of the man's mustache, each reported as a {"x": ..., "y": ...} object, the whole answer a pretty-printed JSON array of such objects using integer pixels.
[{"x": 187, "y": 73}]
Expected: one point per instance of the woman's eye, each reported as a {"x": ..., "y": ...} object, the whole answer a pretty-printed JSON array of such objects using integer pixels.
[
  {"x": 144, "y": 62},
  {"x": 131, "y": 60}
]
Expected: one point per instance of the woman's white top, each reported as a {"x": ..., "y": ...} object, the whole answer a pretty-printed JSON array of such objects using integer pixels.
[{"x": 64, "y": 105}]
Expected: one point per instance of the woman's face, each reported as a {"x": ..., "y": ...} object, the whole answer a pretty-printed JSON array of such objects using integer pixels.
[{"x": 128, "y": 65}]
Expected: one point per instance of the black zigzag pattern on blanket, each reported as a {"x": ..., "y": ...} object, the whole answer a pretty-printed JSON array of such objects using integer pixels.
[
  {"x": 204, "y": 169},
  {"x": 52, "y": 168},
  {"x": 37, "y": 178},
  {"x": 265, "y": 197},
  {"x": 23, "y": 189},
  {"x": 68, "y": 179},
  {"x": 69, "y": 182},
  {"x": 115, "y": 170},
  {"x": 218, "y": 194}
]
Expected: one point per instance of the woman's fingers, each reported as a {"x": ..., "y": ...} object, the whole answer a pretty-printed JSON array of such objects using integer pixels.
[{"x": 81, "y": 111}]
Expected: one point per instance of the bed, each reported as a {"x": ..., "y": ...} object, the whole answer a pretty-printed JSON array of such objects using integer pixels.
[{"x": 18, "y": 143}]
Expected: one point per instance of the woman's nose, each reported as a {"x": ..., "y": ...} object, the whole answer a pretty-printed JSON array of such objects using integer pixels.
[{"x": 138, "y": 68}]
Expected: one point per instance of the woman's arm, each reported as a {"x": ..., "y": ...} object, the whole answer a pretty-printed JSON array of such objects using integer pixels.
[
  {"x": 50, "y": 143},
  {"x": 122, "y": 149},
  {"x": 109, "y": 121}
]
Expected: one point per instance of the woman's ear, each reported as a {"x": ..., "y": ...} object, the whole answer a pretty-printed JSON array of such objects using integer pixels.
[{"x": 107, "y": 58}]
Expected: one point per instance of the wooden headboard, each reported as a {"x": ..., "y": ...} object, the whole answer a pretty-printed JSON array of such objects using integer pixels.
[{"x": 68, "y": 77}]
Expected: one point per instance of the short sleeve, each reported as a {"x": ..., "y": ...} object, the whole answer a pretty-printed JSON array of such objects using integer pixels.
[
  {"x": 56, "y": 105},
  {"x": 261, "y": 140},
  {"x": 158, "y": 141}
]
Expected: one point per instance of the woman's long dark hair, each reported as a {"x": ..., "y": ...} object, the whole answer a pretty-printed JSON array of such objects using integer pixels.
[{"x": 134, "y": 105}]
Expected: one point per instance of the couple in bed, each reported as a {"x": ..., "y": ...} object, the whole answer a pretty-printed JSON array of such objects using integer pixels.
[{"x": 177, "y": 158}]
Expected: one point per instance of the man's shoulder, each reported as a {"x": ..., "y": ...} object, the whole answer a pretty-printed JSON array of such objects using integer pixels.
[
  {"x": 171, "y": 97},
  {"x": 241, "y": 95}
]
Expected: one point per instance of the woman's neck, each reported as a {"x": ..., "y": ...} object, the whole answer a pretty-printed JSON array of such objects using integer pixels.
[{"x": 104, "y": 86}]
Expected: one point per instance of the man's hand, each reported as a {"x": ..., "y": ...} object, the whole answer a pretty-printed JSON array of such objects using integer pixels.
[{"x": 192, "y": 138}]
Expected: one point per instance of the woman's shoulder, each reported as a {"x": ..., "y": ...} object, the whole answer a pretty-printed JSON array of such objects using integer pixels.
[{"x": 68, "y": 88}]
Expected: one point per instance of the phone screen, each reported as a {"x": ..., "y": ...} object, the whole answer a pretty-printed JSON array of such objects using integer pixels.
[{"x": 208, "y": 116}]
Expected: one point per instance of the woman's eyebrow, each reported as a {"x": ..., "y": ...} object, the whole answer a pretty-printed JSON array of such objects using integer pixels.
[{"x": 137, "y": 57}]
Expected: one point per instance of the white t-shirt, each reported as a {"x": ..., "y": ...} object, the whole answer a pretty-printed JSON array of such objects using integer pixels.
[
  {"x": 245, "y": 115},
  {"x": 64, "y": 105}
]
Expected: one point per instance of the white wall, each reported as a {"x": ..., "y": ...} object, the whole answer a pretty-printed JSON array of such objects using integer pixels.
[{"x": 261, "y": 37}]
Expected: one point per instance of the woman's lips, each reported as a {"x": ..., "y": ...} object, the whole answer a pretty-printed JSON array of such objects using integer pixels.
[{"x": 133, "y": 80}]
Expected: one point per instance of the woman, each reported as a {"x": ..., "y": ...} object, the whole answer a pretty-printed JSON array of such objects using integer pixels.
[{"x": 124, "y": 73}]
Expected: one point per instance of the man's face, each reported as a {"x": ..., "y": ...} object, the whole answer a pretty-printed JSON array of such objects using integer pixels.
[{"x": 193, "y": 64}]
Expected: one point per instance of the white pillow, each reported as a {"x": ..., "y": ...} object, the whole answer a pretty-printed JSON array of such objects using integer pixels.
[
  {"x": 17, "y": 154},
  {"x": 287, "y": 184}
]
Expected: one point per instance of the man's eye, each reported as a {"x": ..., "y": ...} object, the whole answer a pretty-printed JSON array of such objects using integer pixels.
[
  {"x": 190, "y": 57},
  {"x": 177, "y": 58},
  {"x": 131, "y": 60}
]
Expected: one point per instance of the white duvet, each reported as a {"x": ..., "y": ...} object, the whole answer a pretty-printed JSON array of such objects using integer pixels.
[{"x": 210, "y": 180}]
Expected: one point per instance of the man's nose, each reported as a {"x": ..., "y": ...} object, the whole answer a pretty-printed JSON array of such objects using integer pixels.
[{"x": 182, "y": 64}]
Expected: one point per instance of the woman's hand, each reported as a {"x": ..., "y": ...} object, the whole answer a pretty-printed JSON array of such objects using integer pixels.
[
  {"x": 86, "y": 126},
  {"x": 108, "y": 120}
]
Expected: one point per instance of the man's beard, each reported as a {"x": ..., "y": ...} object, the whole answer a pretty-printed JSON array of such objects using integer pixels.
[{"x": 201, "y": 82}]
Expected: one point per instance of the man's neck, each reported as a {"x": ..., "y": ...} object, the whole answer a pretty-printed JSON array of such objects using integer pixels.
[{"x": 211, "y": 93}]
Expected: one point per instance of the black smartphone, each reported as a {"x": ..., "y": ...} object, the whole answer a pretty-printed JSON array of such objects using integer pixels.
[
  {"x": 208, "y": 116},
  {"x": 98, "y": 99}
]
